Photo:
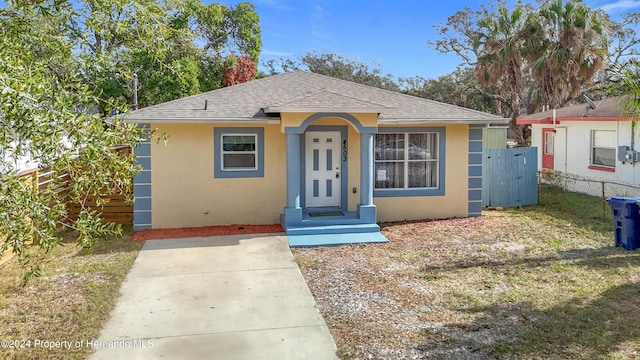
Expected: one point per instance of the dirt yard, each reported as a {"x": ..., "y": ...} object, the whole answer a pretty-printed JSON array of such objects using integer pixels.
[{"x": 542, "y": 282}]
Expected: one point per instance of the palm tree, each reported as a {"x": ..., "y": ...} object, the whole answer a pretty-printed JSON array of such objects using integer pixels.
[
  {"x": 500, "y": 61},
  {"x": 565, "y": 48}
]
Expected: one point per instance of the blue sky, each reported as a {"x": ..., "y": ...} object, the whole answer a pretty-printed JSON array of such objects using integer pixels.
[{"x": 393, "y": 34}]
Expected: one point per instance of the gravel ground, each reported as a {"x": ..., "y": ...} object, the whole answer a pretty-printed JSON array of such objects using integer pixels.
[{"x": 449, "y": 289}]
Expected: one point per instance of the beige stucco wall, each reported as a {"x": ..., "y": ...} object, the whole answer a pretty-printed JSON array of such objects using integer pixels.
[
  {"x": 455, "y": 201},
  {"x": 186, "y": 194},
  {"x": 184, "y": 189}
]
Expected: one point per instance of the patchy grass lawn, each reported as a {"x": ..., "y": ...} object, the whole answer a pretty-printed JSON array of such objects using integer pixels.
[
  {"x": 71, "y": 300},
  {"x": 541, "y": 282}
]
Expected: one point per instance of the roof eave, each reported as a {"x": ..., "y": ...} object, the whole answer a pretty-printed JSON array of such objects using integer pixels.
[
  {"x": 549, "y": 120},
  {"x": 271, "y": 121},
  {"x": 420, "y": 121}
]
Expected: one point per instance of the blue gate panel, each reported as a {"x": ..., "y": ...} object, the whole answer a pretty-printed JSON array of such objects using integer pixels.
[{"x": 510, "y": 177}]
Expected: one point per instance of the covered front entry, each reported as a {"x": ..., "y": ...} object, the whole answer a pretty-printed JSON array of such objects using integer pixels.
[{"x": 317, "y": 183}]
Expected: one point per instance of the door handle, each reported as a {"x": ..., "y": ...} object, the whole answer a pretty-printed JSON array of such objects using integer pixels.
[{"x": 337, "y": 174}]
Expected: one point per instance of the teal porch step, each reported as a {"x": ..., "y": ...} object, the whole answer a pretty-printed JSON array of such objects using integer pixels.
[
  {"x": 329, "y": 235},
  {"x": 318, "y": 229},
  {"x": 313, "y": 240}
]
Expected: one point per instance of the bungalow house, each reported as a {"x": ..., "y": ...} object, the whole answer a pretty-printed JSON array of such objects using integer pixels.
[
  {"x": 316, "y": 154},
  {"x": 592, "y": 140}
]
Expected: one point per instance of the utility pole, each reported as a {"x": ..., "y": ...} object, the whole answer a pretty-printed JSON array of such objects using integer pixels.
[{"x": 135, "y": 91}]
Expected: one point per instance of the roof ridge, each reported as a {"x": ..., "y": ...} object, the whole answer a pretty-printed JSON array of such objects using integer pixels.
[{"x": 395, "y": 93}]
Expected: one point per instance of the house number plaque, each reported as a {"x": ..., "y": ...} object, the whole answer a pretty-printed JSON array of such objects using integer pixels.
[{"x": 344, "y": 150}]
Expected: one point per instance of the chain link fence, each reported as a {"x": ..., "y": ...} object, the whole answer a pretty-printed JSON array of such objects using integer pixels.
[{"x": 600, "y": 188}]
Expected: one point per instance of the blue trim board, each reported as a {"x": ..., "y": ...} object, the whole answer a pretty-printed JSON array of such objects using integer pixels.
[
  {"x": 475, "y": 146},
  {"x": 475, "y": 134},
  {"x": 442, "y": 149},
  {"x": 218, "y": 173},
  {"x": 344, "y": 168},
  {"x": 475, "y": 159},
  {"x": 142, "y": 149},
  {"x": 475, "y": 170},
  {"x": 143, "y": 177},
  {"x": 475, "y": 207},
  {"x": 145, "y": 162},
  {"x": 475, "y": 183},
  {"x": 142, "y": 204},
  {"x": 142, "y": 185},
  {"x": 141, "y": 190},
  {"x": 141, "y": 217}
]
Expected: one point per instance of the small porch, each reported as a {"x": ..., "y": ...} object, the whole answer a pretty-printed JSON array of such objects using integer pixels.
[{"x": 318, "y": 210}]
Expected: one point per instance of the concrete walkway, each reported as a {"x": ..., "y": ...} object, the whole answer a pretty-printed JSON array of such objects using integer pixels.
[{"x": 227, "y": 297}]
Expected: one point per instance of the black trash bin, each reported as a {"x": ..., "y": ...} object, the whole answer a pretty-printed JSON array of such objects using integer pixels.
[{"x": 626, "y": 221}]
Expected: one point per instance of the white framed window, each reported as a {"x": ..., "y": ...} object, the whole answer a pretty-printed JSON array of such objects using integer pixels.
[
  {"x": 603, "y": 148},
  {"x": 407, "y": 160},
  {"x": 239, "y": 152}
]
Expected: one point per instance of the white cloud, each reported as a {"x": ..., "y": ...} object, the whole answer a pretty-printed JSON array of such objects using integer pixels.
[
  {"x": 276, "y": 53},
  {"x": 319, "y": 24},
  {"x": 621, "y": 5}
]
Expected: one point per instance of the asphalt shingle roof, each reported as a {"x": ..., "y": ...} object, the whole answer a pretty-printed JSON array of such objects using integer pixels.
[
  {"x": 305, "y": 90},
  {"x": 607, "y": 108}
]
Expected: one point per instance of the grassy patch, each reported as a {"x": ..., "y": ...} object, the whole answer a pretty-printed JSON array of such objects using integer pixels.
[
  {"x": 70, "y": 301},
  {"x": 540, "y": 282}
]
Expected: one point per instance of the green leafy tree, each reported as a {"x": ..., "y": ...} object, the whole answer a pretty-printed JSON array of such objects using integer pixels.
[
  {"x": 459, "y": 87},
  {"x": 624, "y": 50},
  {"x": 46, "y": 114},
  {"x": 337, "y": 66},
  {"x": 176, "y": 48}
]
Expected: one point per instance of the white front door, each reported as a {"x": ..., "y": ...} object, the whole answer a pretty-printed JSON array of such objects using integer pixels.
[{"x": 323, "y": 173}]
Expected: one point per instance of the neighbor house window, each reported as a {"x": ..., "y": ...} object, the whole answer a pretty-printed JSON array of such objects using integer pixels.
[
  {"x": 603, "y": 148},
  {"x": 238, "y": 152},
  {"x": 408, "y": 163}
]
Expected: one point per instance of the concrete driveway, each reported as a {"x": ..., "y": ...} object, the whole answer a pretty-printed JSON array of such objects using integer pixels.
[{"x": 226, "y": 297}]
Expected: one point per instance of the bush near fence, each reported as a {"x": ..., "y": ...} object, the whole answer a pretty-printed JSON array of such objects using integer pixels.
[
  {"x": 113, "y": 208},
  {"x": 603, "y": 189}
]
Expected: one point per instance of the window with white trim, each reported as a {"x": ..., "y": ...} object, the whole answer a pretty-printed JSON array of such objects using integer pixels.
[
  {"x": 603, "y": 148},
  {"x": 239, "y": 152},
  {"x": 406, "y": 160}
]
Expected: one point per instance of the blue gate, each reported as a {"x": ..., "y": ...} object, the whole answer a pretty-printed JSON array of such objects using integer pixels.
[{"x": 509, "y": 177}]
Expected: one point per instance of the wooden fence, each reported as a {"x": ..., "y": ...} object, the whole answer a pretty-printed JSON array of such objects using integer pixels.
[{"x": 113, "y": 209}]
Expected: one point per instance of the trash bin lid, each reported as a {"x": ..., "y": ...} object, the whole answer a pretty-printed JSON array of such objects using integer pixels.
[{"x": 621, "y": 200}]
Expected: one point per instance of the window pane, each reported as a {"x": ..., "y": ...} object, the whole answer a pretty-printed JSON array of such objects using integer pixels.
[
  {"x": 389, "y": 175},
  {"x": 239, "y": 143},
  {"x": 238, "y": 161},
  {"x": 604, "y": 138},
  {"x": 423, "y": 174},
  {"x": 423, "y": 146},
  {"x": 548, "y": 143},
  {"x": 604, "y": 157},
  {"x": 389, "y": 146}
]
